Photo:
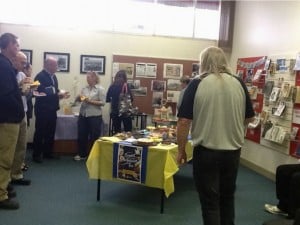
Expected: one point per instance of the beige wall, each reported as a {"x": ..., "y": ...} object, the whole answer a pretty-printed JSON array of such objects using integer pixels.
[
  {"x": 77, "y": 42},
  {"x": 266, "y": 28}
]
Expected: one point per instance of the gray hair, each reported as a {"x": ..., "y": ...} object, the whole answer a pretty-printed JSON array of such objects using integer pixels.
[{"x": 213, "y": 60}]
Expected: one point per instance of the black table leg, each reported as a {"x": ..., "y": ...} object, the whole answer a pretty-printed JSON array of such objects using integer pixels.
[
  {"x": 98, "y": 189},
  {"x": 162, "y": 201}
]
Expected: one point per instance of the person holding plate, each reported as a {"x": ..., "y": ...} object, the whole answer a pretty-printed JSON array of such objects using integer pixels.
[
  {"x": 24, "y": 82},
  {"x": 12, "y": 113},
  {"x": 45, "y": 107},
  {"x": 92, "y": 100}
]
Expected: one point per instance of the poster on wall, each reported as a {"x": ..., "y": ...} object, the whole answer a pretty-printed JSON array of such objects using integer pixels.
[
  {"x": 157, "y": 98},
  {"x": 146, "y": 70},
  {"x": 173, "y": 96},
  {"x": 173, "y": 70},
  {"x": 134, "y": 84},
  {"x": 173, "y": 85},
  {"x": 128, "y": 67},
  {"x": 141, "y": 91},
  {"x": 158, "y": 85}
]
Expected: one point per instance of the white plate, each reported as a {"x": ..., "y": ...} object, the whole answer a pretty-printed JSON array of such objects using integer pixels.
[{"x": 38, "y": 94}]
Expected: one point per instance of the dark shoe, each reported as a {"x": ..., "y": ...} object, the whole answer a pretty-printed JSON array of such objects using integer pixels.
[
  {"x": 21, "y": 182},
  {"x": 9, "y": 204},
  {"x": 11, "y": 194},
  {"x": 37, "y": 159},
  {"x": 51, "y": 156}
]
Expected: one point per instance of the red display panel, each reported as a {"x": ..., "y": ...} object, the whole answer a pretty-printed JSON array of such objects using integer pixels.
[{"x": 252, "y": 70}]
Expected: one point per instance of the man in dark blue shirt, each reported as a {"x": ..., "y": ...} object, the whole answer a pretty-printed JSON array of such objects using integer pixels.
[
  {"x": 45, "y": 107},
  {"x": 11, "y": 115}
]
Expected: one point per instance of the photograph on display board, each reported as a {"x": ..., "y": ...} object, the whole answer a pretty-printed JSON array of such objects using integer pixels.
[
  {"x": 285, "y": 90},
  {"x": 272, "y": 68},
  {"x": 280, "y": 65},
  {"x": 173, "y": 96},
  {"x": 292, "y": 65},
  {"x": 128, "y": 67},
  {"x": 294, "y": 133},
  {"x": 267, "y": 90},
  {"x": 249, "y": 76},
  {"x": 253, "y": 90},
  {"x": 296, "y": 116},
  {"x": 173, "y": 70},
  {"x": 280, "y": 109},
  {"x": 274, "y": 94},
  {"x": 134, "y": 84},
  {"x": 240, "y": 74},
  {"x": 146, "y": 70},
  {"x": 173, "y": 85},
  {"x": 157, "y": 98},
  {"x": 264, "y": 116},
  {"x": 141, "y": 91},
  {"x": 158, "y": 85}
]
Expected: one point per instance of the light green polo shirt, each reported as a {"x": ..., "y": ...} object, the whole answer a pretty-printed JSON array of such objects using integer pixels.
[{"x": 219, "y": 113}]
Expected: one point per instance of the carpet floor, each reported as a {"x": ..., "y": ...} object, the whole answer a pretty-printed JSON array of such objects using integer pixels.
[{"x": 62, "y": 194}]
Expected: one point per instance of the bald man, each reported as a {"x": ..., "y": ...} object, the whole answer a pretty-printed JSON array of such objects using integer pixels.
[
  {"x": 17, "y": 177},
  {"x": 45, "y": 108}
]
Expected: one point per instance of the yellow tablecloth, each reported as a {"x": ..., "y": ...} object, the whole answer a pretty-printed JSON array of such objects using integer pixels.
[{"x": 160, "y": 168}]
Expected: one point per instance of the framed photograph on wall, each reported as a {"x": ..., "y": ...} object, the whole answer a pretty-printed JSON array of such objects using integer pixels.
[
  {"x": 173, "y": 70},
  {"x": 92, "y": 63},
  {"x": 63, "y": 60},
  {"x": 28, "y": 54}
]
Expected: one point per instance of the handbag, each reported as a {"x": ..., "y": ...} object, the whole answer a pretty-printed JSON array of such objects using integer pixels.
[{"x": 125, "y": 104}]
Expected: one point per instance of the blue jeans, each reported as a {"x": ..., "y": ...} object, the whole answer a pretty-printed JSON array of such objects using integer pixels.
[{"x": 215, "y": 173}]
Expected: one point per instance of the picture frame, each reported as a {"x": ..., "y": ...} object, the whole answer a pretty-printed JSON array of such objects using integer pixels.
[
  {"x": 158, "y": 85},
  {"x": 63, "y": 60},
  {"x": 94, "y": 63},
  {"x": 28, "y": 54},
  {"x": 173, "y": 70}
]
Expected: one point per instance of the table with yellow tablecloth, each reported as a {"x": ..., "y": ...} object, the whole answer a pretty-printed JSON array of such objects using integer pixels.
[{"x": 160, "y": 167}]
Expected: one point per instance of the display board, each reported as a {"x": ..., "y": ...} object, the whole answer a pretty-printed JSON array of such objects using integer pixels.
[
  {"x": 295, "y": 126},
  {"x": 154, "y": 79},
  {"x": 278, "y": 105},
  {"x": 252, "y": 70},
  {"x": 274, "y": 87}
]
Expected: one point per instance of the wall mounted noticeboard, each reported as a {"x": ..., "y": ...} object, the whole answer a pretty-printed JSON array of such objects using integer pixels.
[
  {"x": 247, "y": 69},
  {"x": 144, "y": 99}
]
